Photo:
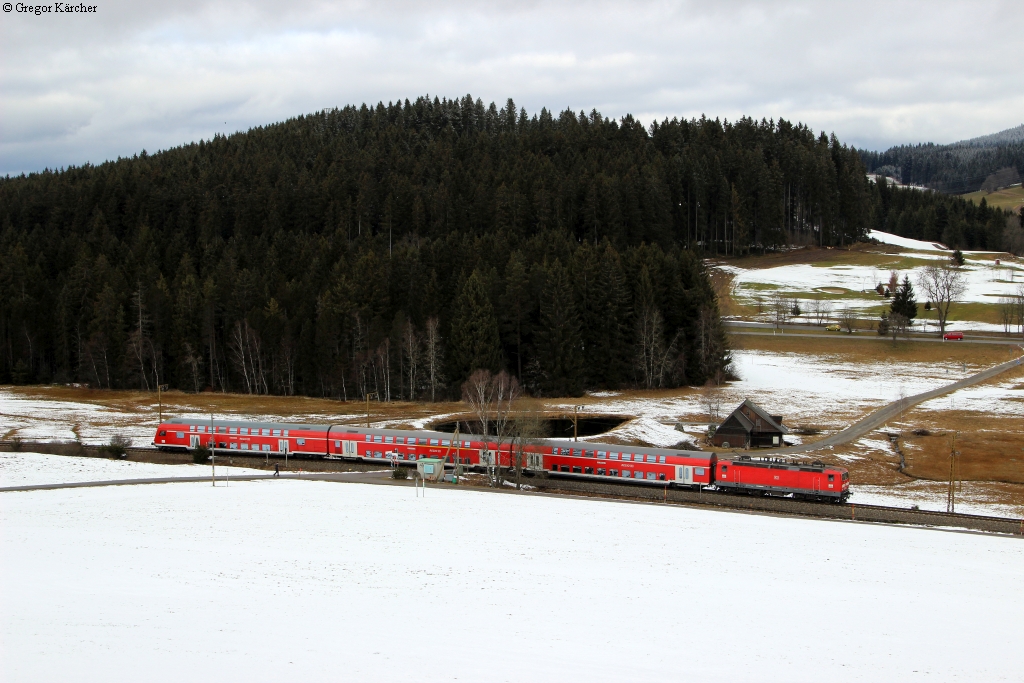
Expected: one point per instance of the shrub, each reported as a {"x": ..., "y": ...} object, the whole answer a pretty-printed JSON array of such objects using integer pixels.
[
  {"x": 399, "y": 473},
  {"x": 922, "y": 432},
  {"x": 118, "y": 446},
  {"x": 16, "y": 443},
  {"x": 201, "y": 455}
]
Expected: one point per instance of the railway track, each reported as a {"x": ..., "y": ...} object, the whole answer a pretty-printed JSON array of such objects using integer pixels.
[{"x": 620, "y": 490}]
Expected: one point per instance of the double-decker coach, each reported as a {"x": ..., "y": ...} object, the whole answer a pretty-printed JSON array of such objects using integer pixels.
[{"x": 553, "y": 456}]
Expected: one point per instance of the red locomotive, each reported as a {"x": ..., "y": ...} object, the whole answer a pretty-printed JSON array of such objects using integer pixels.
[
  {"x": 775, "y": 476},
  {"x": 658, "y": 466}
]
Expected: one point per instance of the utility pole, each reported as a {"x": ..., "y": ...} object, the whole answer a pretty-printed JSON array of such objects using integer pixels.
[
  {"x": 575, "y": 421},
  {"x": 374, "y": 394},
  {"x": 213, "y": 455},
  {"x": 159, "y": 397},
  {"x": 955, "y": 481}
]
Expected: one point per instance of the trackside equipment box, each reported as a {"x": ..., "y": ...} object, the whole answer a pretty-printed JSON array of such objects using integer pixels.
[{"x": 430, "y": 469}]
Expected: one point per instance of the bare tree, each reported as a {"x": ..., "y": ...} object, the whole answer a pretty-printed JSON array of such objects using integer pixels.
[
  {"x": 847, "y": 319},
  {"x": 942, "y": 285},
  {"x": 477, "y": 394},
  {"x": 193, "y": 361},
  {"x": 1007, "y": 312},
  {"x": 894, "y": 281},
  {"x": 654, "y": 358},
  {"x": 434, "y": 357},
  {"x": 527, "y": 429},
  {"x": 779, "y": 307},
  {"x": 711, "y": 399},
  {"x": 899, "y": 326},
  {"x": 411, "y": 353},
  {"x": 505, "y": 392}
]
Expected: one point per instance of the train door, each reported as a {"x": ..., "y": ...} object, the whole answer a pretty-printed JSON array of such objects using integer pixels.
[
  {"x": 194, "y": 441},
  {"x": 684, "y": 474},
  {"x": 282, "y": 446},
  {"x": 349, "y": 448},
  {"x": 487, "y": 458},
  {"x": 815, "y": 483},
  {"x": 535, "y": 461}
]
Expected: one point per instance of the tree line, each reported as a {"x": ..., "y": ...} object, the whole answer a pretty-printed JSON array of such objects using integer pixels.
[{"x": 396, "y": 249}]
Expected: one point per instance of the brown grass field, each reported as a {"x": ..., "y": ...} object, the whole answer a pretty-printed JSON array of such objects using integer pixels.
[{"x": 1007, "y": 198}]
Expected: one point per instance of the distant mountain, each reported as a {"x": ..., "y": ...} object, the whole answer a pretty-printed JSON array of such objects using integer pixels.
[{"x": 988, "y": 161}]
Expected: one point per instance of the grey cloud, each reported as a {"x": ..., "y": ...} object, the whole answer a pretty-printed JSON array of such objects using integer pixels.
[{"x": 140, "y": 75}]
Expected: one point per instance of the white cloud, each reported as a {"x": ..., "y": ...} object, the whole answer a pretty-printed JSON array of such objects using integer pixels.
[{"x": 151, "y": 75}]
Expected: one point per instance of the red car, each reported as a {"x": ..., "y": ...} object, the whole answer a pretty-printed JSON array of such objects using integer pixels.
[{"x": 953, "y": 336}]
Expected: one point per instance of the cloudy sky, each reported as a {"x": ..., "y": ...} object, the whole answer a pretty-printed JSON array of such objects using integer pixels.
[{"x": 148, "y": 75}]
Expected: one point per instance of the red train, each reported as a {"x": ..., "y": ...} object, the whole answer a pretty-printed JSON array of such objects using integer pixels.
[{"x": 658, "y": 466}]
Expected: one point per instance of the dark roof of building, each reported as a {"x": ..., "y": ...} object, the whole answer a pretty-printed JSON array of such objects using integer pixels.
[{"x": 769, "y": 420}]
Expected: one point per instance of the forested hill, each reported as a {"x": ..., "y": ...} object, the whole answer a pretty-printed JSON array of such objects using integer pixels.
[
  {"x": 986, "y": 162},
  {"x": 395, "y": 249}
]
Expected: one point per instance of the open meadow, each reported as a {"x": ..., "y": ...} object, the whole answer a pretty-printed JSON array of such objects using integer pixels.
[{"x": 299, "y": 580}]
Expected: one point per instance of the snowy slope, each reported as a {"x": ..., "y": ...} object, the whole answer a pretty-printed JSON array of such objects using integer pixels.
[
  {"x": 293, "y": 581},
  {"x": 31, "y": 469}
]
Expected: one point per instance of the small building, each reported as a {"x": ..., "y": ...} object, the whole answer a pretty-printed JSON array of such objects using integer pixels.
[{"x": 750, "y": 426}]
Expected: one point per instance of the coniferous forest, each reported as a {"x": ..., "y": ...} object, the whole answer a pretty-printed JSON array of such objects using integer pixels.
[{"x": 396, "y": 249}]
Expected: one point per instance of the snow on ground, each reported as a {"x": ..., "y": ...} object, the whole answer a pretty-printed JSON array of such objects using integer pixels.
[
  {"x": 1004, "y": 398},
  {"x": 285, "y": 580},
  {"x": 973, "y": 499},
  {"x": 907, "y": 243},
  {"x": 31, "y": 469}
]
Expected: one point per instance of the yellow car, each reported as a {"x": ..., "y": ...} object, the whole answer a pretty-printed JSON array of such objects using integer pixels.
[{"x": 833, "y": 328}]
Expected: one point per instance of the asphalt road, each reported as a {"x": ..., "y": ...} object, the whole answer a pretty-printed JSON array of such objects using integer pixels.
[{"x": 768, "y": 330}]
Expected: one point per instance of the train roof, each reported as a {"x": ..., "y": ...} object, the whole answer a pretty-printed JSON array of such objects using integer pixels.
[
  {"x": 780, "y": 464},
  {"x": 353, "y": 429}
]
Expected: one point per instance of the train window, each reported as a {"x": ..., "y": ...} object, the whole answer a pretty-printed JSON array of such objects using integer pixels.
[
  {"x": 600, "y": 470},
  {"x": 337, "y": 444},
  {"x": 180, "y": 435},
  {"x": 285, "y": 433},
  {"x": 163, "y": 432},
  {"x": 434, "y": 442},
  {"x": 638, "y": 475},
  {"x": 725, "y": 468},
  {"x": 191, "y": 428},
  {"x": 234, "y": 445},
  {"x": 377, "y": 438},
  {"x": 626, "y": 474},
  {"x": 300, "y": 442},
  {"x": 652, "y": 458},
  {"x": 412, "y": 456},
  {"x": 232, "y": 430},
  {"x": 613, "y": 456},
  {"x": 389, "y": 439},
  {"x": 588, "y": 470},
  {"x": 698, "y": 471},
  {"x": 652, "y": 475},
  {"x": 276, "y": 432},
  {"x": 554, "y": 468},
  {"x": 266, "y": 446},
  {"x": 399, "y": 439},
  {"x": 661, "y": 477},
  {"x": 661, "y": 459},
  {"x": 446, "y": 442},
  {"x": 577, "y": 470},
  {"x": 565, "y": 468},
  {"x": 831, "y": 477},
  {"x": 846, "y": 475},
  {"x": 577, "y": 452},
  {"x": 265, "y": 432},
  {"x": 369, "y": 438},
  {"x": 613, "y": 473},
  {"x": 245, "y": 446},
  {"x": 601, "y": 454}
]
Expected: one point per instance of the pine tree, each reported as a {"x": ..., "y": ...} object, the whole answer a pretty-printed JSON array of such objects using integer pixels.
[
  {"x": 474, "y": 336},
  {"x": 560, "y": 346},
  {"x": 904, "y": 302}
]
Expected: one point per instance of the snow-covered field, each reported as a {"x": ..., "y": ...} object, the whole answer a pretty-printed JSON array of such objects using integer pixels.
[
  {"x": 289, "y": 580},
  {"x": 31, "y": 469},
  {"x": 986, "y": 282},
  {"x": 972, "y": 498}
]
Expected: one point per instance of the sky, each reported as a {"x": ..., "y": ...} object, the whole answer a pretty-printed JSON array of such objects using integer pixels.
[{"x": 86, "y": 87}]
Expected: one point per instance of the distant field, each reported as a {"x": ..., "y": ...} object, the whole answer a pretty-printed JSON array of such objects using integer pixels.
[{"x": 1009, "y": 198}]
